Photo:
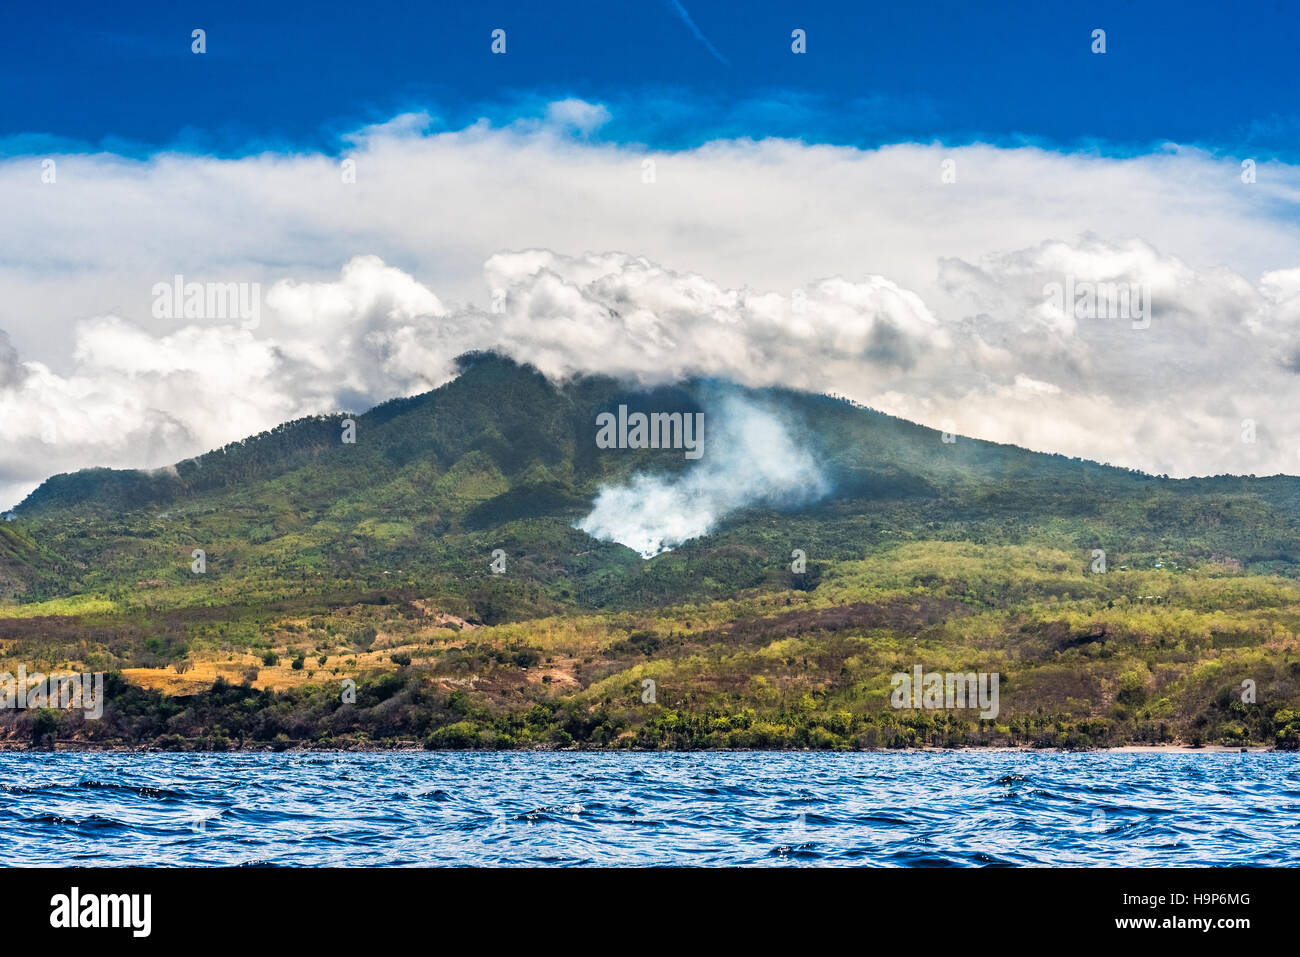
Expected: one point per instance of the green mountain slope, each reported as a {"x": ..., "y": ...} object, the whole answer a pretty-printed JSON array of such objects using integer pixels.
[
  {"x": 372, "y": 561},
  {"x": 501, "y": 458}
]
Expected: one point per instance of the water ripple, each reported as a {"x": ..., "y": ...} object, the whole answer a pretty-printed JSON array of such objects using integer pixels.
[{"x": 920, "y": 809}]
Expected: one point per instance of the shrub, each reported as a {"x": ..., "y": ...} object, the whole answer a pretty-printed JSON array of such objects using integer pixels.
[
  {"x": 458, "y": 736},
  {"x": 1288, "y": 729},
  {"x": 44, "y": 726}
]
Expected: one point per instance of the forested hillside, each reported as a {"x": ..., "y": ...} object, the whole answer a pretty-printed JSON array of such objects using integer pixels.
[{"x": 325, "y": 559}]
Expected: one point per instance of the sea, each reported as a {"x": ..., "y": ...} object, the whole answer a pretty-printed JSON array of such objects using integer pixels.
[{"x": 695, "y": 809}]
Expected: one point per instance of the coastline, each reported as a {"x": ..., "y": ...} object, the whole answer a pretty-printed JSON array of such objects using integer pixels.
[{"x": 406, "y": 747}]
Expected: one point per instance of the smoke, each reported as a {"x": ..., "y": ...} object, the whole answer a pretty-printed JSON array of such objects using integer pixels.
[
  {"x": 750, "y": 458},
  {"x": 12, "y": 371}
]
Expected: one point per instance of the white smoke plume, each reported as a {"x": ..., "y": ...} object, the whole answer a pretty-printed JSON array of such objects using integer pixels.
[{"x": 750, "y": 458}]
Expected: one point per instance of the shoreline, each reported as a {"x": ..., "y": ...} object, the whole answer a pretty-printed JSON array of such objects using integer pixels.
[{"x": 71, "y": 748}]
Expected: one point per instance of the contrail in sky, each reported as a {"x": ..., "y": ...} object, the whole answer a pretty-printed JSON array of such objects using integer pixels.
[{"x": 686, "y": 17}]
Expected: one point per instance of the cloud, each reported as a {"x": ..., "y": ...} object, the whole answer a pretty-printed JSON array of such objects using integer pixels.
[
  {"x": 135, "y": 399},
  {"x": 577, "y": 115},
  {"x": 1175, "y": 395},
  {"x": 632, "y": 318},
  {"x": 771, "y": 262}
]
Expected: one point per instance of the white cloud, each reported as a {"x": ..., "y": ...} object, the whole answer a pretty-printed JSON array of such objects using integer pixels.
[{"x": 816, "y": 267}]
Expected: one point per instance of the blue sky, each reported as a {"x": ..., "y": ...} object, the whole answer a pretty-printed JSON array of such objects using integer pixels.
[{"x": 299, "y": 76}]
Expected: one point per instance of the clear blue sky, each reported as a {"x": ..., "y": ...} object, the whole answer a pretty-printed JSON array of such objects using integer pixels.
[{"x": 122, "y": 76}]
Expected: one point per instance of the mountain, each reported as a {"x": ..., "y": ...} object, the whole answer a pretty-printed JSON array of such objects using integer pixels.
[
  {"x": 316, "y": 546},
  {"x": 500, "y": 457}
]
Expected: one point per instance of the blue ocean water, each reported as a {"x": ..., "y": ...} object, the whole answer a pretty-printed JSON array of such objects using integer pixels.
[{"x": 708, "y": 809}]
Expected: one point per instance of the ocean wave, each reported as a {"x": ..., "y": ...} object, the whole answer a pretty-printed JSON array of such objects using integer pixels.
[{"x": 968, "y": 809}]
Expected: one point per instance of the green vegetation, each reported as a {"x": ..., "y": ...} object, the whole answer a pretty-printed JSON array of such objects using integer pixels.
[{"x": 370, "y": 562}]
